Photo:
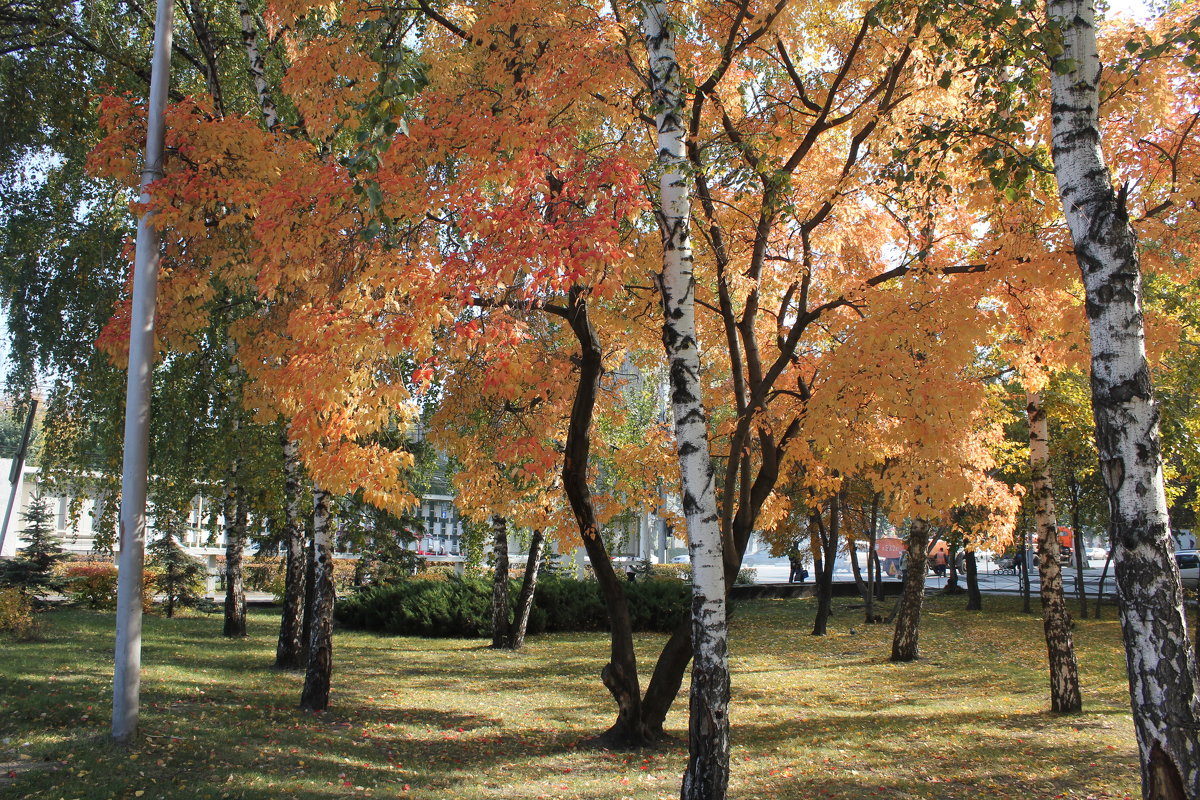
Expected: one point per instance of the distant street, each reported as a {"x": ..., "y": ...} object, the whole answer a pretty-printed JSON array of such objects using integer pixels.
[{"x": 775, "y": 570}]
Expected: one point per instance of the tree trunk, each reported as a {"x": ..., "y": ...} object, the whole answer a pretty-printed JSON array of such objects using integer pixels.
[
  {"x": 974, "y": 596},
  {"x": 620, "y": 675},
  {"x": 908, "y": 614},
  {"x": 310, "y": 595},
  {"x": 1065, "y": 696},
  {"x": 500, "y": 582},
  {"x": 707, "y": 774},
  {"x": 829, "y": 544},
  {"x": 516, "y": 634},
  {"x": 1162, "y": 670},
  {"x": 266, "y": 103},
  {"x": 952, "y": 568},
  {"x": 1024, "y": 556},
  {"x": 317, "y": 676},
  {"x": 234, "y": 511},
  {"x": 864, "y": 588},
  {"x": 872, "y": 561},
  {"x": 1077, "y": 532},
  {"x": 1100, "y": 585},
  {"x": 289, "y": 653}
]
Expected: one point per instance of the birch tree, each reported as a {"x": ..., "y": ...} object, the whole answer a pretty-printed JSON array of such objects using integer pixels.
[
  {"x": 1162, "y": 670},
  {"x": 707, "y": 772},
  {"x": 319, "y": 672},
  {"x": 1064, "y": 669}
]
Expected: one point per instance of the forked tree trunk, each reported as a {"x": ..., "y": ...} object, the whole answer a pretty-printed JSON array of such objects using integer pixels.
[
  {"x": 319, "y": 672},
  {"x": 707, "y": 774},
  {"x": 1065, "y": 696},
  {"x": 974, "y": 596},
  {"x": 500, "y": 582},
  {"x": 234, "y": 511},
  {"x": 908, "y": 610},
  {"x": 1162, "y": 670},
  {"x": 289, "y": 653},
  {"x": 620, "y": 675},
  {"x": 829, "y": 544},
  {"x": 516, "y": 633}
]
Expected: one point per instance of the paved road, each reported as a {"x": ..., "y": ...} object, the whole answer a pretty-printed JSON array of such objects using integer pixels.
[{"x": 990, "y": 582}]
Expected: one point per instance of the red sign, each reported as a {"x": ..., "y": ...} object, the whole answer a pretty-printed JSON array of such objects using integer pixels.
[{"x": 890, "y": 547}]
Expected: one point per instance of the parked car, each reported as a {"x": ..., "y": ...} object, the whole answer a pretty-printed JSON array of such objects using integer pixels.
[{"x": 1189, "y": 568}]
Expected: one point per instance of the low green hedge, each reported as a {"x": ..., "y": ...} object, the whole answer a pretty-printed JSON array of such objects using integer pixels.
[{"x": 462, "y": 607}]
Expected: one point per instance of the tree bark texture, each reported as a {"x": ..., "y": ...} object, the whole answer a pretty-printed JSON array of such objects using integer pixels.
[
  {"x": 974, "y": 596},
  {"x": 319, "y": 672},
  {"x": 499, "y": 582},
  {"x": 1065, "y": 696},
  {"x": 620, "y": 675},
  {"x": 234, "y": 511},
  {"x": 310, "y": 594},
  {"x": 289, "y": 653},
  {"x": 829, "y": 547},
  {"x": 1162, "y": 669},
  {"x": 266, "y": 103},
  {"x": 707, "y": 774},
  {"x": 908, "y": 610},
  {"x": 516, "y": 633}
]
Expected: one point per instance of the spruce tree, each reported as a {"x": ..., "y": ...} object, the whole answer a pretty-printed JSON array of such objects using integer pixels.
[
  {"x": 32, "y": 571},
  {"x": 180, "y": 575}
]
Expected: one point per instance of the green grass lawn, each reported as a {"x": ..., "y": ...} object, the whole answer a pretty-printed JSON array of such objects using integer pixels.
[{"x": 432, "y": 719}]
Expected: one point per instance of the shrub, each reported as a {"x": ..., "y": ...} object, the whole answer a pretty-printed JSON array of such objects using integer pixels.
[
  {"x": 680, "y": 572},
  {"x": 261, "y": 573},
  {"x": 745, "y": 576},
  {"x": 461, "y": 607},
  {"x": 434, "y": 573},
  {"x": 93, "y": 584},
  {"x": 16, "y": 615}
]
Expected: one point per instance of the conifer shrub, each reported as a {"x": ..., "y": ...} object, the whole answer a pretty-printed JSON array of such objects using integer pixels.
[
  {"x": 179, "y": 576},
  {"x": 34, "y": 571},
  {"x": 461, "y": 607}
]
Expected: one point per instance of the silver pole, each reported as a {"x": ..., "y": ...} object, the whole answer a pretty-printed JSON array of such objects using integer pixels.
[
  {"x": 18, "y": 468},
  {"x": 128, "y": 662}
]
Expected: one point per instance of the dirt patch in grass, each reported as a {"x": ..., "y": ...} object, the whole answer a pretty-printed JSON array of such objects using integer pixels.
[{"x": 813, "y": 717}]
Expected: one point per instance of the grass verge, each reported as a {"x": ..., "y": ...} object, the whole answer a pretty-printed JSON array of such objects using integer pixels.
[{"x": 432, "y": 719}]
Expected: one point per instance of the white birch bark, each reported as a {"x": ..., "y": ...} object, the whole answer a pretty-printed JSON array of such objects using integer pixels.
[
  {"x": 1065, "y": 696},
  {"x": 318, "y": 675},
  {"x": 1162, "y": 670},
  {"x": 258, "y": 70},
  {"x": 707, "y": 774}
]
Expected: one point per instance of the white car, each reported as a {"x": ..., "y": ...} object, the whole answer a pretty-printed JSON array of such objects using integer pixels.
[
  {"x": 683, "y": 559},
  {"x": 1189, "y": 568}
]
